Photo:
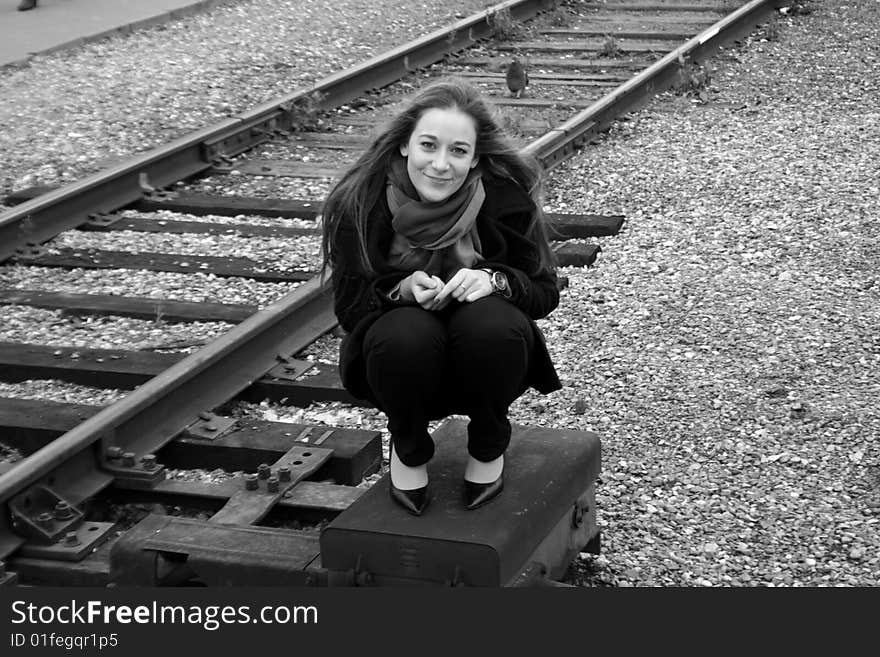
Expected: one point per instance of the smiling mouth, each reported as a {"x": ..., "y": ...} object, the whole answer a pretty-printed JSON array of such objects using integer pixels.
[{"x": 438, "y": 180}]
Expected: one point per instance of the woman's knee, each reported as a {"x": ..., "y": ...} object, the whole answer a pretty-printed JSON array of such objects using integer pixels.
[
  {"x": 406, "y": 333},
  {"x": 490, "y": 320}
]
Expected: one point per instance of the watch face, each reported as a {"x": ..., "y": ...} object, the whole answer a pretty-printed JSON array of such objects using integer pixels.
[{"x": 499, "y": 281}]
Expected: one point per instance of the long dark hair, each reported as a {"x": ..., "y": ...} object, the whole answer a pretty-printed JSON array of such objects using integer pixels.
[{"x": 359, "y": 189}]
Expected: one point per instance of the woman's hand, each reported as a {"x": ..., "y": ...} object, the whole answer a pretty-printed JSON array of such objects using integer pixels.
[
  {"x": 421, "y": 288},
  {"x": 466, "y": 286}
]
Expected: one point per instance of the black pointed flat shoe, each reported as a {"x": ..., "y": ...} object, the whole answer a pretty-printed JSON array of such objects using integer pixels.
[
  {"x": 414, "y": 500},
  {"x": 476, "y": 495}
]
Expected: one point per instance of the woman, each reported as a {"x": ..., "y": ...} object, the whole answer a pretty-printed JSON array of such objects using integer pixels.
[{"x": 440, "y": 265}]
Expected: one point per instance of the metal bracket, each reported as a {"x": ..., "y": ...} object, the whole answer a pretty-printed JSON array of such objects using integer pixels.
[
  {"x": 209, "y": 426},
  {"x": 74, "y": 546},
  {"x": 7, "y": 578},
  {"x": 102, "y": 220},
  {"x": 305, "y": 436},
  {"x": 128, "y": 472},
  {"x": 222, "y": 163},
  {"x": 457, "y": 580},
  {"x": 30, "y": 250},
  {"x": 289, "y": 369},
  {"x": 41, "y": 514},
  {"x": 149, "y": 192},
  {"x": 581, "y": 508}
]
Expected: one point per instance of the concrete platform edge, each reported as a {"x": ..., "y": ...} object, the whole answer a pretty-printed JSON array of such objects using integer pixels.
[{"x": 126, "y": 28}]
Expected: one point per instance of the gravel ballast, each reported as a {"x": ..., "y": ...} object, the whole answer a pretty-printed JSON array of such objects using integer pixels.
[{"x": 725, "y": 345}]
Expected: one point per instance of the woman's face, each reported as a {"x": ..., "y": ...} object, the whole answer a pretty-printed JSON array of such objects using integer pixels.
[{"x": 440, "y": 153}]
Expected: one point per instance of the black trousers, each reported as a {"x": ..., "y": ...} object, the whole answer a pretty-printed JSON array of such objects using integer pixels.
[{"x": 467, "y": 359}]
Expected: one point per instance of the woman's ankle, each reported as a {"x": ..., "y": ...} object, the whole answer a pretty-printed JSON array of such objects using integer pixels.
[
  {"x": 406, "y": 477},
  {"x": 483, "y": 472}
]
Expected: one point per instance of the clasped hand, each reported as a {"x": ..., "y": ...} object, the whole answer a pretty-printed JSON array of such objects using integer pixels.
[{"x": 431, "y": 293}]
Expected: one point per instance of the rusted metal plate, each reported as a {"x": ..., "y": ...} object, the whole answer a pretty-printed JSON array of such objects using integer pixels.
[
  {"x": 170, "y": 550},
  {"x": 548, "y": 473},
  {"x": 314, "y": 497},
  {"x": 247, "y": 507}
]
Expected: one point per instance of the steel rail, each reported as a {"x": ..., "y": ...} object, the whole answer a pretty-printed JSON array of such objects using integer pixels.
[
  {"x": 43, "y": 217},
  {"x": 157, "y": 411},
  {"x": 74, "y": 465},
  {"x": 562, "y": 142}
]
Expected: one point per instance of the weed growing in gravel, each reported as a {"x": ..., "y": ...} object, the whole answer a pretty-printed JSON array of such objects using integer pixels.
[
  {"x": 502, "y": 24},
  {"x": 770, "y": 31},
  {"x": 610, "y": 48},
  {"x": 564, "y": 15},
  {"x": 797, "y": 8},
  {"x": 694, "y": 80},
  {"x": 305, "y": 112}
]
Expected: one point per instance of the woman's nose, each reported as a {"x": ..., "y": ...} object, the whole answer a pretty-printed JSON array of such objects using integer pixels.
[{"x": 441, "y": 163}]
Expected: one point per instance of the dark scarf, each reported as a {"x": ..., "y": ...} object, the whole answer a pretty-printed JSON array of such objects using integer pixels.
[{"x": 438, "y": 238}]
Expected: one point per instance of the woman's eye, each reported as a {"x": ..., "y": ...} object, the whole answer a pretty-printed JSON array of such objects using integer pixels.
[{"x": 427, "y": 145}]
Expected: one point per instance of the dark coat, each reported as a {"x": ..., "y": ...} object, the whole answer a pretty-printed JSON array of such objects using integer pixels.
[{"x": 360, "y": 298}]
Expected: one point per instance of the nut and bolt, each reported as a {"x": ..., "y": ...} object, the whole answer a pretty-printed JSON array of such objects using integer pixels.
[
  {"x": 44, "y": 520},
  {"x": 272, "y": 484},
  {"x": 128, "y": 459},
  {"x": 114, "y": 452},
  {"x": 63, "y": 511},
  {"x": 211, "y": 427},
  {"x": 264, "y": 471},
  {"x": 71, "y": 539},
  {"x": 251, "y": 482},
  {"x": 284, "y": 473},
  {"x": 148, "y": 461}
]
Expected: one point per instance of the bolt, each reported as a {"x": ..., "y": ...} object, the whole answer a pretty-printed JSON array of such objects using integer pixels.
[
  {"x": 44, "y": 520},
  {"x": 63, "y": 511},
  {"x": 251, "y": 482},
  {"x": 128, "y": 459},
  {"x": 264, "y": 471},
  {"x": 204, "y": 415},
  {"x": 71, "y": 539},
  {"x": 114, "y": 452},
  {"x": 272, "y": 483},
  {"x": 210, "y": 427},
  {"x": 284, "y": 473},
  {"x": 148, "y": 461}
]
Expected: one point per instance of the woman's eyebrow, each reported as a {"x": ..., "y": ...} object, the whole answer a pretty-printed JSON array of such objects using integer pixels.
[{"x": 460, "y": 142}]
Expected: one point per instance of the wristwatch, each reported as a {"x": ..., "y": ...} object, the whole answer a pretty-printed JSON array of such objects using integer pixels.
[{"x": 500, "y": 286}]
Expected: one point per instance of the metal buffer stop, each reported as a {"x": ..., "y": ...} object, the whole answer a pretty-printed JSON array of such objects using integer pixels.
[{"x": 532, "y": 531}]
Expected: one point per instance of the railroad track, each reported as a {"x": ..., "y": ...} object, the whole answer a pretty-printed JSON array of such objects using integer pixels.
[{"x": 589, "y": 63}]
